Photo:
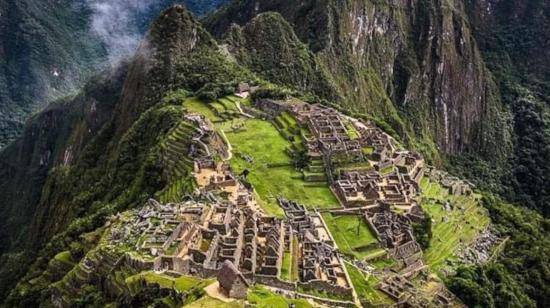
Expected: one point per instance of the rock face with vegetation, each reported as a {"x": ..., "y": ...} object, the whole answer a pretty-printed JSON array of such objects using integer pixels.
[
  {"x": 404, "y": 62},
  {"x": 445, "y": 78}
]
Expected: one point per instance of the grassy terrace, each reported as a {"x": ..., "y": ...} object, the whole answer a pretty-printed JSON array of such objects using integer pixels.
[
  {"x": 286, "y": 267},
  {"x": 352, "y": 131},
  {"x": 294, "y": 272},
  {"x": 272, "y": 171},
  {"x": 462, "y": 224},
  {"x": 365, "y": 288},
  {"x": 289, "y": 270},
  {"x": 264, "y": 298},
  {"x": 65, "y": 257},
  {"x": 352, "y": 235},
  {"x": 195, "y": 105},
  {"x": 182, "y": 284},
  {"x": 209, "y": 302}
]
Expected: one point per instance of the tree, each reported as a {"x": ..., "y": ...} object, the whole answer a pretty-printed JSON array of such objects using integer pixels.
[{"x": 423, "y": 231}]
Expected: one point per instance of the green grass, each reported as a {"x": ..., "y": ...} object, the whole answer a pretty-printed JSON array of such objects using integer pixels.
[
  {"x": 262, "y": 141},
  {"x": 228, "y": 104},
  {"x": 387, "y": 170},
  {"x": 324, "y": 294},
  {"x": 65, "y": 257},
  {"x": 368, "y": 150},
  {"x": 460, "y": 226},
  {"x": 365, "y": 288},
  {"x": 351, "y": 233},
  {"x": 205, "y": 244},
  {"x": 286, "y": 267},
  {"x": 219, "y": 108},
  {"x": 354, "y": 166},
  {"x": 375, "y": 253},
  {"x": 384, "y": 263},
  {"x": 352, "y": 132},
  {"x": 294, "y": 271},
  {"x": 264, "y": 298},
  {"x": 209, "y": 302},
  {"x": 197, "y": 106},
  {"x": 182, "y": 284}
]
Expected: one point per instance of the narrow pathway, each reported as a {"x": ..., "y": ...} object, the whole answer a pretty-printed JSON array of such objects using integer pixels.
[
  {"x": 229, "y": 147},
  {"x": 199, "y": 141},
  {"x": 238, "y": 104}
]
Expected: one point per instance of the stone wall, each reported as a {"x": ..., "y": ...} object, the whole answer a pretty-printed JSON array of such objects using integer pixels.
[
  {"x": 327, "y": 301},
  {"x": 141, "y": 265},
  {"x": 327, "y": 287},
  {"x": 275, "y": 282}
]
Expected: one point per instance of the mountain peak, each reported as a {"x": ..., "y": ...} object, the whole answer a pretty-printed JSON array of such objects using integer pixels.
[{"x": 177, "y": 30}]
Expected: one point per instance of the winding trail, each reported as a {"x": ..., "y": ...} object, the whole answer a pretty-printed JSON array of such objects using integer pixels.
[{"x": 229, "y": 146}]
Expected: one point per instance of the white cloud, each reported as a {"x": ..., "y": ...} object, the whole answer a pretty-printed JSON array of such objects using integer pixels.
[{"x": 115, "y": 23}]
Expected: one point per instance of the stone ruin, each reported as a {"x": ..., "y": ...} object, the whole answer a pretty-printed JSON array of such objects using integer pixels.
[{"x": 454, "y": 185}]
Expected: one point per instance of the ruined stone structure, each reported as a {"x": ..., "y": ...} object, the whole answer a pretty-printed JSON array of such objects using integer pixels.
[
  {"x": 223, "y": 232},
  {"x": 454, "y": 185},
  {"x": 232, "y": 282}
]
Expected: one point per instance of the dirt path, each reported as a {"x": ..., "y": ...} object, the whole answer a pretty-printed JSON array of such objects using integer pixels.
[
  {"x": 238, "y": 104},
  {"x": 229, "y": 147}
]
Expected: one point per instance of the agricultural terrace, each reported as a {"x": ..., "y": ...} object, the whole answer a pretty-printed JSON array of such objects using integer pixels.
[
  {"x": 352, "y": 234},
  {"x": 289, "y": 269},
  {"x": 462, "y": 221},
  {"x": 365, "y": 286},
  {"x": 209, "y": 302},
  {"x": 263, "y": 298},
  {"x": 182, "y": 284}
]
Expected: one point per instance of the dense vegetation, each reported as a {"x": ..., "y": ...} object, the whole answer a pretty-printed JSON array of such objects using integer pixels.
[
  {"x": 512, "y": 45},
  {"x": 518, "y": 277},
  {"x": 423, "y": 231},
  {"x": 48, "y": 48}
]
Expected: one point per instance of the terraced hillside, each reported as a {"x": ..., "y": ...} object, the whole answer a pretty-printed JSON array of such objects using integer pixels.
[
  {"x": 271, "y": 151},
  {"x": 175, "y": 158}
]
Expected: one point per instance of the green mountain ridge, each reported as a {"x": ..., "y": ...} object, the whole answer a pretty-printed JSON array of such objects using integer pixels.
[{"x": 49, "y": 48}]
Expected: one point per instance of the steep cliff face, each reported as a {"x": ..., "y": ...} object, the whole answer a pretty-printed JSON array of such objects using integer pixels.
[
  {"x": 413, "y": 63},
  {"x": 517, "y": 28},
  {"x": 514, "y": 42},
  {"x": 55, "y": 137}
]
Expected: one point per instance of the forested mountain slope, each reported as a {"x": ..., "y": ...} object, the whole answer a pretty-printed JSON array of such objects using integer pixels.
[{"x": 49, "y": 48}]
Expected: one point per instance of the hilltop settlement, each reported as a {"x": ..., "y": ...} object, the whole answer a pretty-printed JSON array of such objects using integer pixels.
[{"x": 222, "y": 230}]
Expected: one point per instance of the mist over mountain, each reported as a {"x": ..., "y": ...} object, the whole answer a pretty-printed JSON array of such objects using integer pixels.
[{"x": 49, "y": 48}]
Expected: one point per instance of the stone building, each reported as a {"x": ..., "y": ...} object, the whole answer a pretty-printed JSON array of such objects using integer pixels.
[{"x": 232, "y": 282}]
